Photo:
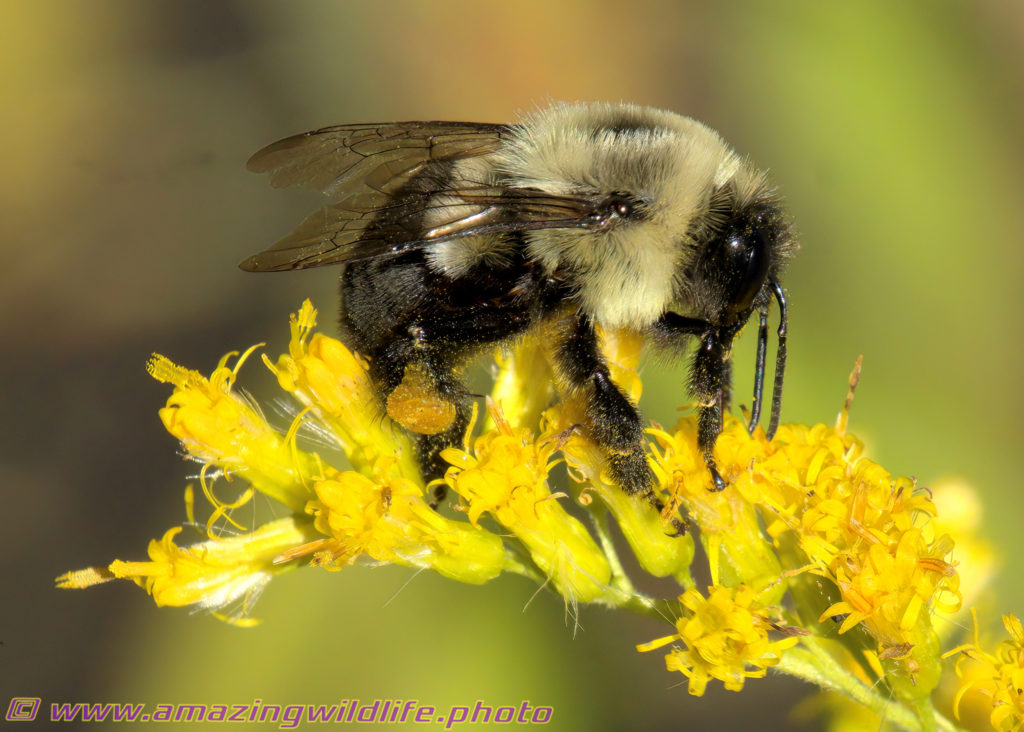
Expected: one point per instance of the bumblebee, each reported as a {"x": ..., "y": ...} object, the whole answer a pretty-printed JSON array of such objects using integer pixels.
[{"x": 453, "y": 237}]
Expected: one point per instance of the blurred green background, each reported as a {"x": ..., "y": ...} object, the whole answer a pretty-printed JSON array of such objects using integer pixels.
[{"x": 894, "y": 130}]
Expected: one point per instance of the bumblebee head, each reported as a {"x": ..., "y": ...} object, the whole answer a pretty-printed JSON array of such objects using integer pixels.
[{"x": 742, "y": 243}]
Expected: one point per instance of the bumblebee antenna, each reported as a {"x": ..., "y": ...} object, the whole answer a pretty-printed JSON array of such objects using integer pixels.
[
  {"x": 762, "y": 351},
  {"x": 780, "y": 361}
]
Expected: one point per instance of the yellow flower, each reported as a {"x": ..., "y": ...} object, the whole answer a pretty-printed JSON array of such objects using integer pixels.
[
  {"x": 837, "y": 515},
  {"x": 726, "y": 638},
  {"x": 810, "y": 538},
  {"x": 524, "y": 384},
  {"x": 999, "y": 676},
  {"x": 331, "y": 381},
  {"x": 389, "y": 521},
  {"x": 221, "y": 429},
  {"x": 730, "y": 528},
  {"x": 505, "y": 475},
  {"x": 213, "y": 574},
  {"x": 379, "y": 513},
  {"x": 959, "y": 514}
]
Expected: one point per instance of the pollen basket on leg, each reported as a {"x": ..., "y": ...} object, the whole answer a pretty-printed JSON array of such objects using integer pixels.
[{"x": 416, "y": 405}]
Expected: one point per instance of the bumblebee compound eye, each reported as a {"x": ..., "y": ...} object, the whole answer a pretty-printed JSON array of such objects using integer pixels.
[{"x": 743, "y": 261}]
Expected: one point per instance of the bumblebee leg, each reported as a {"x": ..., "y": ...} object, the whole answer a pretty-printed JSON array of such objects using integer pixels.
[
  {"x": 710, "y": 377},
  {"x": 418, "y": 326},
  {"x": 611, "y": 418},
  {"x": 422, "y": 394},
  {"x": 429, "y": 447},
  {"x": 710, "y": 381},
  {"x": 418, "y": 376}
]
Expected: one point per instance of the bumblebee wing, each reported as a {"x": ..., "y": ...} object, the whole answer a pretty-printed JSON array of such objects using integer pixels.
[
  {"x": 362, "y": 226},
  {"x": 377, "y": 158},
  {"x": 365, "y": 167}
]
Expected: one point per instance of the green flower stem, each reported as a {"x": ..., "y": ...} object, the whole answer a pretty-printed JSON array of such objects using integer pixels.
[
  {"x": 513, "y": 565},
  {"x": 661, "y": 610},
  {"x": 620, "y": 580},
  {"x": 927, "y": 714},
  {"x": 807, "y": 666},
  {"x": 621, "y": 593},
  {"x": 814, "y": 664}
]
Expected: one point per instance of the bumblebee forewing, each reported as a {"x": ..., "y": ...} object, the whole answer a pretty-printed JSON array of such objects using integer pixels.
[
  {"x": 381, "y": 157},
  {"x": 366, "y": 169}
]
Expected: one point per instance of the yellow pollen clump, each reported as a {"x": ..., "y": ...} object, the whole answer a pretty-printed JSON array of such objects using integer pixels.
[{"x": 415, "y": 404}]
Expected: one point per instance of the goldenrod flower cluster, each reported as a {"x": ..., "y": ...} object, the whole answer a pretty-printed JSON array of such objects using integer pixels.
[
  {"x": 821, "y": 563},
  {"x": 995, "y": 676},
  {"x": 725, "y": 638}
]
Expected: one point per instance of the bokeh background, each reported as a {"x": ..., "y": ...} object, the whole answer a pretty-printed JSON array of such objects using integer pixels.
[{"x": 894, "y": 130}]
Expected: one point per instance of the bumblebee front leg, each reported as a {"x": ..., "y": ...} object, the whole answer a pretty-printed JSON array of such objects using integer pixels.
[
  {"x": 711, "y": 377},
  {"x": 611, "y": 418}
]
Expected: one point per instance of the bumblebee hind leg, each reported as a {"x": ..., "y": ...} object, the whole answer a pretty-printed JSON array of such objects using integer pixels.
[
  {"x": 429, "y": 447},
  {"x": 425, "y": 397},
  {"x": 418, "y": 327}
]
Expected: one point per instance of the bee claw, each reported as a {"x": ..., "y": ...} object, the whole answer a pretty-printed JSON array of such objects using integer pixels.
[{"x": 716, "y": 478}]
